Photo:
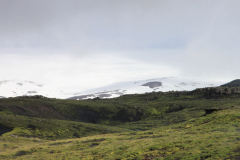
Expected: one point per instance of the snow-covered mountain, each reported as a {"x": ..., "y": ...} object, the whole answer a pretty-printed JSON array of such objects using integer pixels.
[
  {"x": 131, "y": 87},
  {"x": 14, "y": 88}
]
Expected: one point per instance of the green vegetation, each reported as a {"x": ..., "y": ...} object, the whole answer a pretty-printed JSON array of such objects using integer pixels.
[{"x": 170, "y": 126}]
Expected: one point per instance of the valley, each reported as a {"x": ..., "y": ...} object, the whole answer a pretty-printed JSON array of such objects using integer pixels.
[{"x": 199, "y": 124}]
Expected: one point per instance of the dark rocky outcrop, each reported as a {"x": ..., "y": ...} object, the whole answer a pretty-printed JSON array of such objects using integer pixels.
[
  {"x": 90, "y": 96},
  {"x": 153, "y": 84},
  {"x": 81, "y": 97}
]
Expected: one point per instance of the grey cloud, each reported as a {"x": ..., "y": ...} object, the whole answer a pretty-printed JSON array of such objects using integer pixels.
[
  {"x": 101, "y": 24},
  {"x": 199, "y": 38}
]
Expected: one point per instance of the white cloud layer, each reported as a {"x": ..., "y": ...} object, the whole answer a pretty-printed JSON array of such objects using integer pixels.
[
  {"x": 61, "y": 70},
  {"x": 90, "y": 43}
]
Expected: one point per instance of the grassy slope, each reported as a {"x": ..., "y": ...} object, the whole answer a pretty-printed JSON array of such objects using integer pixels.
[
  {"x": 53, "y": 129},
  {"x": 157, "y": 106},
  {"x": 215, "y": 136},
  {"x": 158, "y": 135}
]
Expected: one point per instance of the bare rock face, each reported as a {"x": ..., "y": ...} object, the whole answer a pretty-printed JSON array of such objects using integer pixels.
[{"x": 153, "y": 84}]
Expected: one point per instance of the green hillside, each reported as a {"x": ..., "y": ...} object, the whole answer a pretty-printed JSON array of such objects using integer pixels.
[{"x": 201, "y": 124}]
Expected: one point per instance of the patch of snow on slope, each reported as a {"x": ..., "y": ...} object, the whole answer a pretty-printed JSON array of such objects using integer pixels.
[
  {"x": 14, "y": 88},
  {"x": 142, "y": 86}
]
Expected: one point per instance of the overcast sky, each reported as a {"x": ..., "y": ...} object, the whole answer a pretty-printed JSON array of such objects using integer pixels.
[{"x": 90, "y": 43}]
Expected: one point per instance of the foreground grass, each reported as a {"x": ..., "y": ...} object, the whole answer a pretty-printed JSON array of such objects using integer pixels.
[{"x": 215, "y": 136}]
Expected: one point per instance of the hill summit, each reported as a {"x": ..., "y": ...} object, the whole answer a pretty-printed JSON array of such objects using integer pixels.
[{"x": 234, "y": 83}]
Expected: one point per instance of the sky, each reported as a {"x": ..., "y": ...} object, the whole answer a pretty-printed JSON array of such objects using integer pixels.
[{"x": 92, "y": 43}]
